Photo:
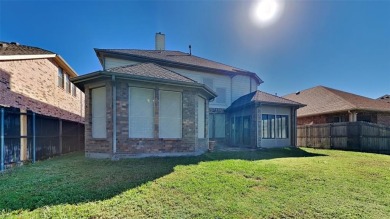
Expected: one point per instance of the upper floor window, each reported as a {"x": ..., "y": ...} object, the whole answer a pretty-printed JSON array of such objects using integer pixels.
[
  {"x": 67, "y": 83},
  {"x": 209, "y": 82},
  {"x": 74, "y": 90},
  {"x": 221, "y": 92},
  {"x": 60, "y": 80}
]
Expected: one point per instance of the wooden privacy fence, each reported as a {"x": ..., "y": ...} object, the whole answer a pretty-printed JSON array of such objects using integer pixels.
[
  {"x": 355, "y": 136},
  {"x": 30, "y": 137}
]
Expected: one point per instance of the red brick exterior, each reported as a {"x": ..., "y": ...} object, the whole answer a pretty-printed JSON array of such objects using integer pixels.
[
  {"x": 373, "y": 117},
  {"x": 32, "y": 85}
]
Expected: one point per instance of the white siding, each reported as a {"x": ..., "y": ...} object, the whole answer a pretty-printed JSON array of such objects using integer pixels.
[
  {"x": 241, "y": 86},
  {"x": 270, "y": 143},
  {"x": 99, "y": 112},
  {"x": 112, "y": 62},
  {"x": 254, "y": 85},
  {"x": 201, "y": 117},
  {"x": 219, "y": 81},
  {"x": 141, "y": 112},
  {"x": 170, "y": 114}
]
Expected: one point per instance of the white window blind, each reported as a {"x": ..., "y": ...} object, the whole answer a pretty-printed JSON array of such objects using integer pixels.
[
  {"x": 170, "y": 114},
  {"x": 99, "y": 112},
  {"x": 141, "y": 112},
  {"x": 201, "y": 117}
]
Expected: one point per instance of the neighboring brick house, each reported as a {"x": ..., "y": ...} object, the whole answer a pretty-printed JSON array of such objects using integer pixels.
[
  {"x": 327, "y": 105},
  {"x": 36, "y": 80},
  {"x": 219, "y": 83}
]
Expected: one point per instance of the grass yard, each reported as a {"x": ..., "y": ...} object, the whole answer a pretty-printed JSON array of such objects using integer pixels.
[{"x": 275, "y": 183}]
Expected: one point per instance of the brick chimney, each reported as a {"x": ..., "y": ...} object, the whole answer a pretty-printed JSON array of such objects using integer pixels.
[{"x": 160, "y": 41}]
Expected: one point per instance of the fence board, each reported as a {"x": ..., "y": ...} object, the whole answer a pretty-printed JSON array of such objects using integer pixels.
[{"x": 356, "y": 136}]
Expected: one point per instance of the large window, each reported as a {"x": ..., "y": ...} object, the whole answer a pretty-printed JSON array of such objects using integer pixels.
[
  {"x": 99, "y": 112},
  {"x": 60, "y": 80},
  {"x": 201, "y": 117},
  {"x": 170, "y": 114},
  {"x": 141, "y": 112},
  {"x": 274, "y": 126}
]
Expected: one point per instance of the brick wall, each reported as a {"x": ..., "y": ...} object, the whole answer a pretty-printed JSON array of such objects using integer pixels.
[
  {"x": 32, "y": 85},
  {"x": 133, "y": 146}
]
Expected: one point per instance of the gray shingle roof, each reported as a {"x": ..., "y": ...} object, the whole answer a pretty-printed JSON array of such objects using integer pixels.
[
  {"x": 322, "y": 100},
  {"x": 385, "y": 98},
  {"x": 262, "y": 97},
  {"x": 7, "y": 49},
  {"x": 151, "y": 70},
  {"x": 177, "y": 58}
]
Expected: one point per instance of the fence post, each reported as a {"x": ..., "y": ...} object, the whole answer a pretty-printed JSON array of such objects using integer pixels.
[
  {"x": 34, "y": 136},
  {"x": 60, "y": 135},
  {"x": 2, "y": 139}
]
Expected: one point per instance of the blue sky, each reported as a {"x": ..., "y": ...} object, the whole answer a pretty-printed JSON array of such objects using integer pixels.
[{"x": 340, "y": 44}]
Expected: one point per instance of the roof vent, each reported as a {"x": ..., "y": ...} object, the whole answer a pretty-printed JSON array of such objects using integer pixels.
[
  {"x": 189, "y": 47},
  {"x": 160, "y": 41},
  {"x": 297, "y": 93},
  {"x": 15, "y": 43},
  {"x": 3, "y": 45}
]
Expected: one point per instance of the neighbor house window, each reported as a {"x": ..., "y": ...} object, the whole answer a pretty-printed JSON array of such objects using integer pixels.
[
  {"x": 74, "y": 90},
  {"x": 221, "y": 92},
  {"x": 99, "y": 115},
  {"x": 170, "y": 114},
  {"x": 60, "y": 80},
  {"x": 67, "y": 83},
  {"x": 201, "y": 117},
  {"x": 141, "y": 112}
]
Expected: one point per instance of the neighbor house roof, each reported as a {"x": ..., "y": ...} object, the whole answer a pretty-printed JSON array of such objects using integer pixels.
[
  {"x": 175, "y": 59},
  {"x": 144, "y": 72},
  {"x": 262, "y": 98},
  {"x": 324, "y": 100},
  {"x": 16, "y": 51},
  {"x": 385, "y": 98}
]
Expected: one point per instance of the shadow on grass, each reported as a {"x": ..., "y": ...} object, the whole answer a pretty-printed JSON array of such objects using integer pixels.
[{"x": 72, "y": 179}]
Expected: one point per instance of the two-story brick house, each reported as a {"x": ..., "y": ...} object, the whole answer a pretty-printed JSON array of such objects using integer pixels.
[
  {"x": 36, "y": 80},
  {"x": 226, "y": 83}
]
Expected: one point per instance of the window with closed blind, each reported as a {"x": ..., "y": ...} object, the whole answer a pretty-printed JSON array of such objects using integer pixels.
[
  {"x": 170, "y": 114},
  {"x": 141, "y": 112},
  {"x": 98, "y": 96}
]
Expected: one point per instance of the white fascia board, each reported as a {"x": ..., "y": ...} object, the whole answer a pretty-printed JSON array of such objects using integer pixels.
[{"x": 21, "y": 57}]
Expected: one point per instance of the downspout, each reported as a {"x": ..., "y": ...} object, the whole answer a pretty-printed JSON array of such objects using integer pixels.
[
  {"x": 113, "y": 115},
  {"x": 34, "y": 137}
]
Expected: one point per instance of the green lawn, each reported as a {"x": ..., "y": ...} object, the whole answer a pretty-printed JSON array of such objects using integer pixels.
[{"x": 277, "y": 183}]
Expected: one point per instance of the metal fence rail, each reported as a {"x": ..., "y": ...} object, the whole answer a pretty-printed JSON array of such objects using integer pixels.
[
  {"x": 356, "y": 136},
  {"x": 45, "y": 137}
]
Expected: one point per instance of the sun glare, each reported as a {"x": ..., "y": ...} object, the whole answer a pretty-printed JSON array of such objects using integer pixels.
[{"x": 266, "y": 12}]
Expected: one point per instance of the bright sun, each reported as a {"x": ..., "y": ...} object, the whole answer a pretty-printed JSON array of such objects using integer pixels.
[{"x": 266, "y": 12}]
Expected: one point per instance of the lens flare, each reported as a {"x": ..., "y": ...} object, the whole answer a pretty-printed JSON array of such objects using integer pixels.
[{"x": 266, "y": 12}]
